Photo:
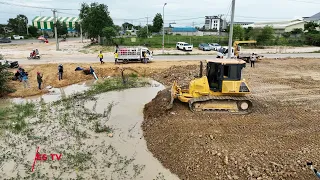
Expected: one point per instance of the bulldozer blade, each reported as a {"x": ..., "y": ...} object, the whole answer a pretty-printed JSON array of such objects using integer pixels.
[{"x": 173, "y": 95}]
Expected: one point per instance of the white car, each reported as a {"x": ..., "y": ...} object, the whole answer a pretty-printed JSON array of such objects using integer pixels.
[
  {"x": 17, "y": 37},
  {"x": 184, "y": 46},
  {"x": 215, "y": 46}
]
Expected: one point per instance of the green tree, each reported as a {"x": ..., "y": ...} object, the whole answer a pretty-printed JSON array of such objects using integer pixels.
[
  {"x": 137, "y": 27},
  {"x": 94, "y": 18},
  {"x": 77, "y": 27},
  {"x": 311, "y": 27},
  {"x": 238, "y": 33},
  {"x": 266, "y": 35},
  {"x": 109, "y": 33},
  {"x": 142, "y": 33},
  {"x": 286, "y": 34},
  {"x": 18, "y": 24},
  {"x": 117, "y": 28},
  {"x": 61, "y": 28},
  {"x": 2, "y": 28},
  {"x": 157, "y": 23},
  {"x": 297, "y": 31},
  {"x": 4, "y": 79},
  {"x": 33, "y": 31}
]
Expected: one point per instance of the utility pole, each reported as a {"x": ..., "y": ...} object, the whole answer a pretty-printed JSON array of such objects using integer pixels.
[
  {"x": 147, "y": 27},
  {"x": 163, "y": 29},
  {"x": 220, "y": 26},
  {"x": 81, "y": 32},
  {"x": 55, "y": 29},
  {"x": 27, "y": 27},
  {"x": 231, "y": 29}
]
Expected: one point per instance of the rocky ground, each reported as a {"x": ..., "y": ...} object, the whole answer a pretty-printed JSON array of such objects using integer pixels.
[{"x": 273, "y": 142}]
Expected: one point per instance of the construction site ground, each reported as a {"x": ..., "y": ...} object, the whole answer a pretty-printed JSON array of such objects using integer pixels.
[{"x": 273, "y": 142}]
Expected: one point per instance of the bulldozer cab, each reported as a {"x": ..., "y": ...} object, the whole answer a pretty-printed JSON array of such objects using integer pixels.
[{"x": 223, "y": 70}]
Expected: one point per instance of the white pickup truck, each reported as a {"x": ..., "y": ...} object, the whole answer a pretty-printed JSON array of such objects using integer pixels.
[
  {"x": 184, "y": 46},
  {"x": 17, "y": 37}
]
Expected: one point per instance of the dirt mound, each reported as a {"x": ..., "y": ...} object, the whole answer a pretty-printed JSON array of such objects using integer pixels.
[
  {"x": 181, "y": 74},
  {"x": 158, "y": 106}
]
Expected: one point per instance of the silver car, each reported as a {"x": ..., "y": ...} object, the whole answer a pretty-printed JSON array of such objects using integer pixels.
[
  {"x": 204, "y": 47},
  {"x": 215, "y": 46}
]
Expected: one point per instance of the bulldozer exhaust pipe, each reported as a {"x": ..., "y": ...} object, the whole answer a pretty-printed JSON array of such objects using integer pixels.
[{"x": 201, "y": 67}]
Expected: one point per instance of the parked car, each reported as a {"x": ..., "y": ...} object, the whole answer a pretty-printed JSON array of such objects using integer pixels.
[
  {"x": 204, "y": 47},
  {"x": 5, "y": 40},
  {"x": 18, "y": 37},
  {"x": 184, "y": 46},
  {"x": 215, "y": 46}
]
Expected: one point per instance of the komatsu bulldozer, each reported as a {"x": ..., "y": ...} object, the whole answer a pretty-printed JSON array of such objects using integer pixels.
[{"x": 221, "y": 89}]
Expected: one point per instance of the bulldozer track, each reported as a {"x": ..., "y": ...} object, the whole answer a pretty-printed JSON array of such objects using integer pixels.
[{"x": 222, "y": 98}]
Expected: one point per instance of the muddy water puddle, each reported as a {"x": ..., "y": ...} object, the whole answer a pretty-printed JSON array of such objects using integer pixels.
[
  {"x": 119, "y": 154},
  {"x": 126, "y": 118}
]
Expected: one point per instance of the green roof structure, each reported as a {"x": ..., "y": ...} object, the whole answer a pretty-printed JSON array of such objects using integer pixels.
[{"x": 46, "y": 22}]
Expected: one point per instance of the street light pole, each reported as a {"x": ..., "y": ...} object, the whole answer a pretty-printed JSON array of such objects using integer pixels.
[
  {"x": 231, "y": 29},
  {"x": 163, "y": 29}
]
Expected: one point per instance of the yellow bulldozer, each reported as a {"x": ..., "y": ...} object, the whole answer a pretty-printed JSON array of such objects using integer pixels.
[{"x": 221, "y": 89}]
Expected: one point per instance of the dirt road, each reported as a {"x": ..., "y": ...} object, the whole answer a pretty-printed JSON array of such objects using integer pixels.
[{"x": 274, "y": 142}]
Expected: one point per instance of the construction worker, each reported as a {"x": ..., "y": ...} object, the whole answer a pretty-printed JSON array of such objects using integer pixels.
[
  {"x": 116, "y": 55},
  {"x": 144, "y": 57},
  {"x": 101, "y": 57},
  {"x": 60, "y": 71},
  {"x": 39, "y": 79},
  {"x": 253, "y": 59}
]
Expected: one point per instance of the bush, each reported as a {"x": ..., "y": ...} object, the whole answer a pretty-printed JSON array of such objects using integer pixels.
[{"x": 5, "y": 76}]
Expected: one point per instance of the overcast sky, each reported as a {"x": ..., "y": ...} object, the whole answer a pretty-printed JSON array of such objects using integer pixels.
[{"x": 182, "y": 12}]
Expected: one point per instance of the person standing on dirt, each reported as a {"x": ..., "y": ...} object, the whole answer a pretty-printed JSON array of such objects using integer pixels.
[
  {"x": 101, "y": 57},
  {"x": 116, "y": 56},
  {"x": 25, "y": 79},
  {"x": 144, "y": 57},
  {"x": 39, "y": 79},
  {"x": 253, "y": 59},
  {"x": 60, "y": 71}
]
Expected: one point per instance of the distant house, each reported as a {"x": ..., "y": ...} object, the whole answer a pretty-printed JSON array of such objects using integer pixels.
[
  {"x": 280, "y": 27},
  {"x": 315, "y": 18}
]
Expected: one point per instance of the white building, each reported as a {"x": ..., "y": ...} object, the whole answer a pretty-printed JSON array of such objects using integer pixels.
[
  {"x": 280, "y": 27},
  {"x": 214, "y": 22},
  {"x": 242, "y": 23}
]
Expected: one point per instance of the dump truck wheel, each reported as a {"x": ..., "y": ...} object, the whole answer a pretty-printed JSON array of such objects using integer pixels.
[{"x": 125, "y": 61}]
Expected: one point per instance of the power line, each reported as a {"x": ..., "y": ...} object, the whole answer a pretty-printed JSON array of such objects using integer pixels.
[
  {"x": 36, "y": 7},
  {"x": 311, "y": 2}
]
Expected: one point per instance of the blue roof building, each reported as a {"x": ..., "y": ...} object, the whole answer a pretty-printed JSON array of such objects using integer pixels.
[{"x": 184, "y": 29}]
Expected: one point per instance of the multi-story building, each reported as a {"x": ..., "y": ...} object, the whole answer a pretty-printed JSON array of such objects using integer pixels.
[{"x": 214, "y": 22}]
